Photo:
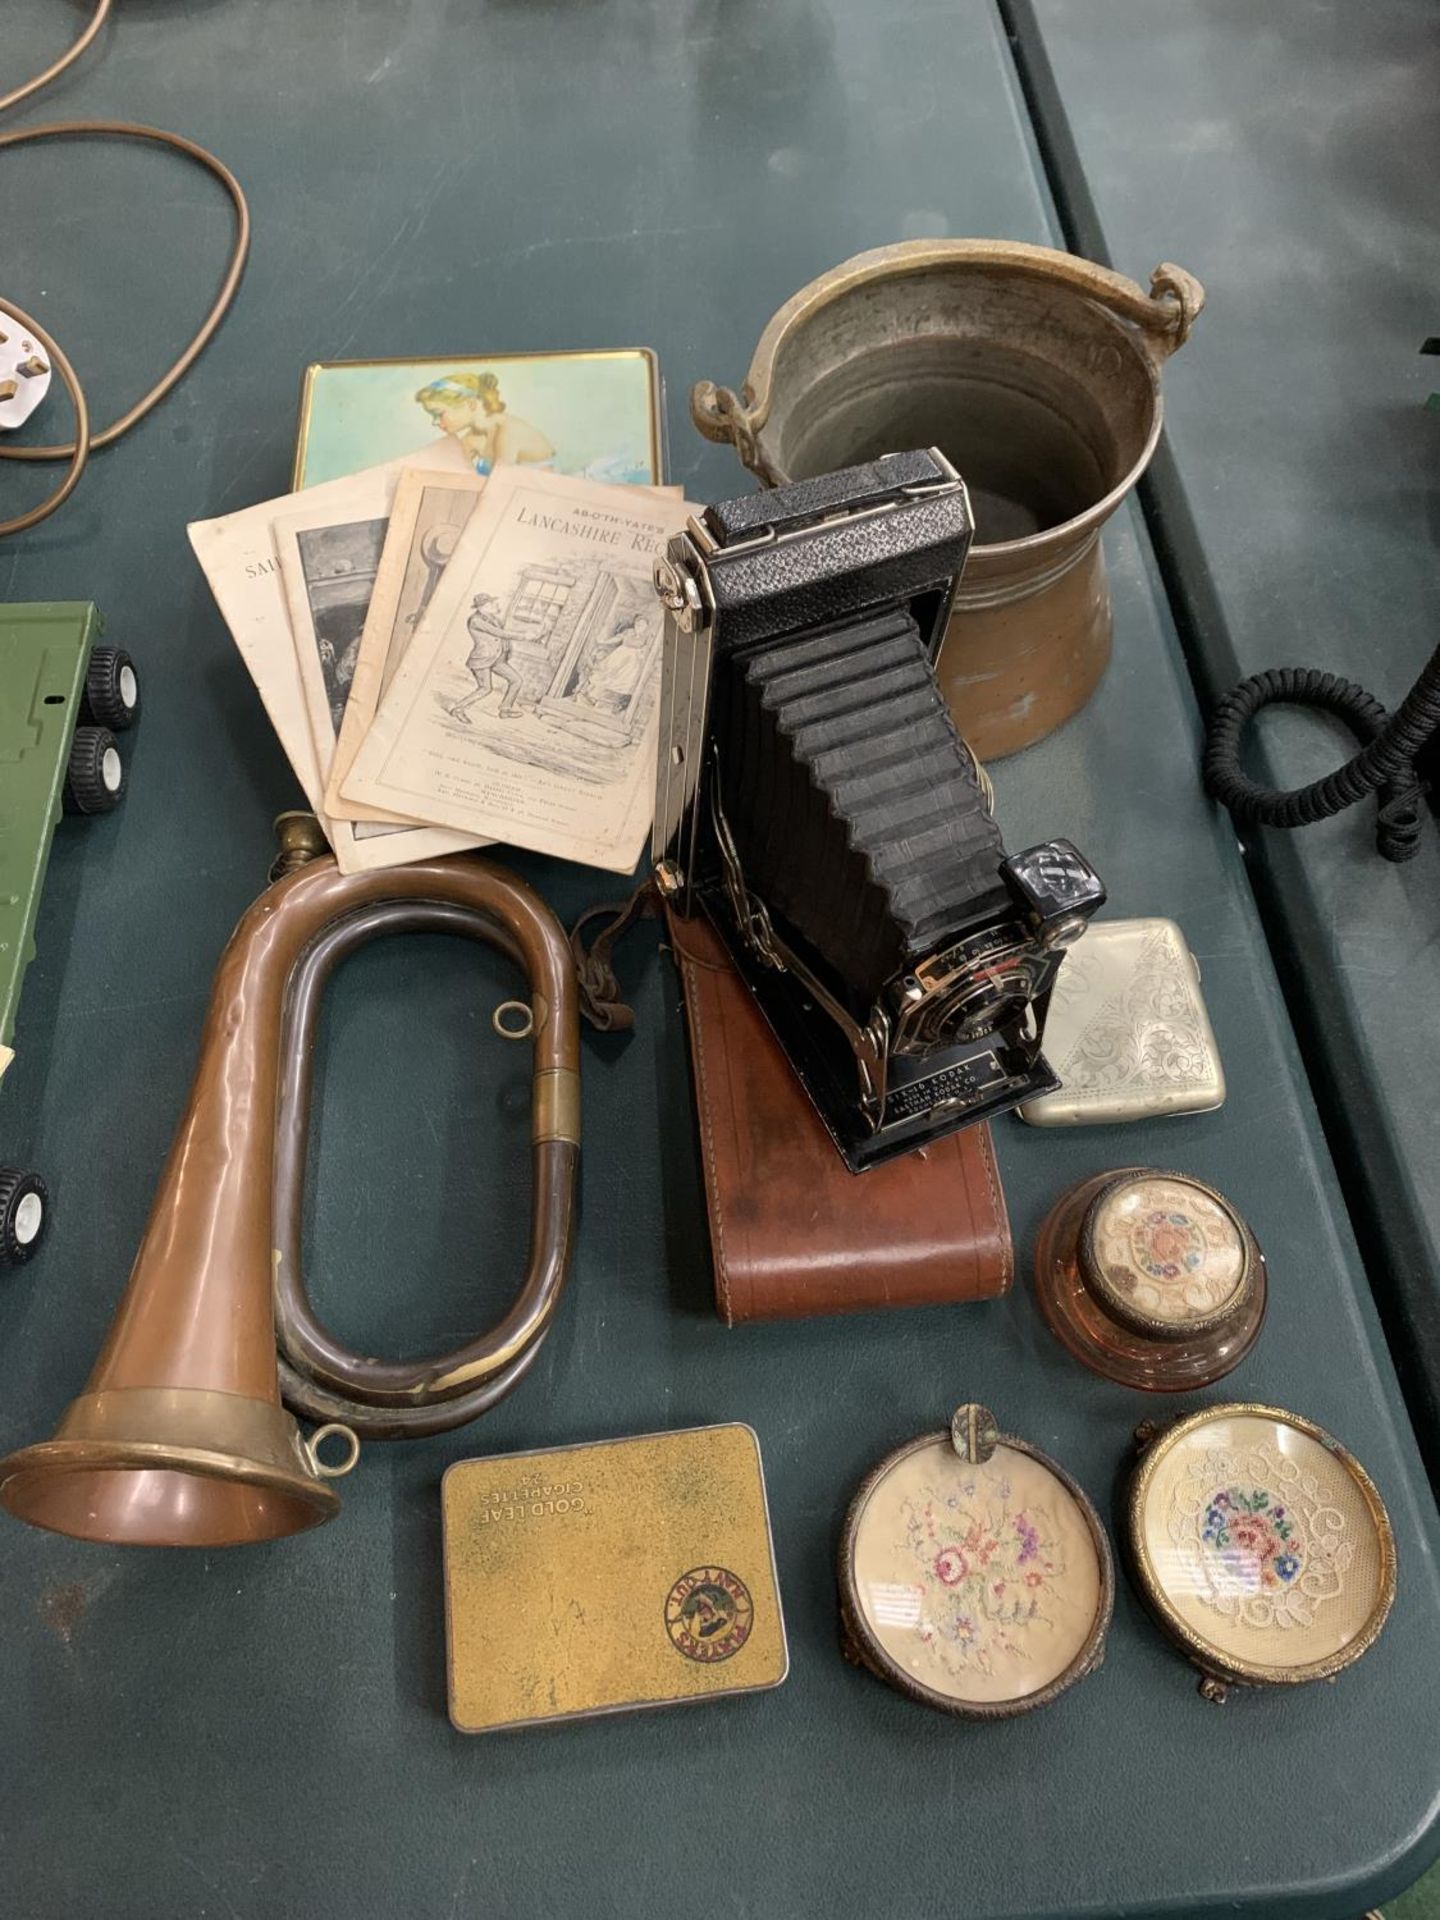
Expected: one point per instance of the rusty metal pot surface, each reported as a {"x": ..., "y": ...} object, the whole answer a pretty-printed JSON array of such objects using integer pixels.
[{"x": 1038, "y": 373}]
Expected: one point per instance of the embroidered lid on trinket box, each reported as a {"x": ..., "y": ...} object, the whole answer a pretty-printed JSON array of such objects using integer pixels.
[
  {"x": 975, "y": 1575},
  {"x": 1166, "y": 1255},
  {"x": 1151, "y": 1278},
  {"x": 1261, "y": 1546}
]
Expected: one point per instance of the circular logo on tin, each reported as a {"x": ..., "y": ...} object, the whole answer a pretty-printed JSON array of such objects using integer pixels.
[{"x": 709, "y": 1614}]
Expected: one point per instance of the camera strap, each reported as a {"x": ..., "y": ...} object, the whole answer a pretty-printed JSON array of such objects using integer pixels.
[{"x": 600, "y": 1000}]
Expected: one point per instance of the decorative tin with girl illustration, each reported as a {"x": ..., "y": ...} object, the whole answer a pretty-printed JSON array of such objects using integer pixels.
[{"x": 595, "y": 414}]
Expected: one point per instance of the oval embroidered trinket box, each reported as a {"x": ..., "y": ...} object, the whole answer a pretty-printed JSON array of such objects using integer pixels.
[
  {"x": 974, "y": 1573},
  {"x": 1261, "y": 1547}
]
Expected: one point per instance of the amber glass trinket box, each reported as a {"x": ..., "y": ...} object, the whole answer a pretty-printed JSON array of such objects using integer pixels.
[{"x": 1150, "y": 1278}]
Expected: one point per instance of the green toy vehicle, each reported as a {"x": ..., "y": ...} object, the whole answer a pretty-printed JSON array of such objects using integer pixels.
[{"x": 62, "y": 700}]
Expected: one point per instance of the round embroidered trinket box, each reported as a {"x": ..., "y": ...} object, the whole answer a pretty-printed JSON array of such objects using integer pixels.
[
  {"x": 975, "y": 1575},
  {"x": 1152, "y": 1279},
  {"x": 1261, "y": 1547}
]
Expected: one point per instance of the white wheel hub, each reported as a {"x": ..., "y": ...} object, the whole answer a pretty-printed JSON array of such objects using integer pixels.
[
  {"x": 129, "y": 687},
  {"x": 29, "y": 1216},
  {"x": 110, "y": 770}
]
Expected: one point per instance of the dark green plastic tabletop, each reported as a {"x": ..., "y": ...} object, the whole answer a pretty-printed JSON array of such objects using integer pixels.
[
  {"x": 262, "y": 1732},
  {"x": 1289, "y": 158}
]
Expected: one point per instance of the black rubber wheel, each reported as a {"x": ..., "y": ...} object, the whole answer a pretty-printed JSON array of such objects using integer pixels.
[
  {"x": 95, "y": 778},
  {"x": 24, "y": 1215},
  {"x": 112, "y": 689}
]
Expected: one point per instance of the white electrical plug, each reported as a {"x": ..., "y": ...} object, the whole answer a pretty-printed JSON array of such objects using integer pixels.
[{"x": 24, "y": 374}]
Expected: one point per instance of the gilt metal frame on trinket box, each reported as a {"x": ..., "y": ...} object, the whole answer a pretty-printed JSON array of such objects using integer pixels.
[
  {"x": 859, "y": 1644},
  {"x": 1218, "y": 1671}
]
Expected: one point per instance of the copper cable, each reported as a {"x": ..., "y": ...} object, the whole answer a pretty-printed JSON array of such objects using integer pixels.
[
  {"x": 235, "y": 267},
  {"x": 77, "y": 451},
  {"x": 67, "y": 59}
]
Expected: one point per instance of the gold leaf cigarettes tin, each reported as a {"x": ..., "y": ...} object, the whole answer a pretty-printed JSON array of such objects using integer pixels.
[
  {"x": 1261, "y": 1547},
  {"x": 974, "y": 1573},
  {"x": 593, "y": 1579},
  {"x": 1127, "y": 1030}
]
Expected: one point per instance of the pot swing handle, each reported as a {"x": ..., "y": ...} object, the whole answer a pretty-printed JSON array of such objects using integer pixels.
[
  {"x": 721, "y": 414},
  {"x": 1164, "y": 316},
  {"x": 1166, "y": 313}
]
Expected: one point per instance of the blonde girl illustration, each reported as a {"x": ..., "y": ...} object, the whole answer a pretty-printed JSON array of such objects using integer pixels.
[{"x": 469, "y": 407}]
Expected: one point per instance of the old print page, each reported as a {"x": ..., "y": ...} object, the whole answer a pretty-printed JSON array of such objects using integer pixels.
[
  {"x": 524, "y": 709},
  {"x": 428, "y": 515},
  {"x": 237, "y": 553}
]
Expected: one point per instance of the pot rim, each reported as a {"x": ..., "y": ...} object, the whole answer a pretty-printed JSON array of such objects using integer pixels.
[{"x": 1159, "y": 326}]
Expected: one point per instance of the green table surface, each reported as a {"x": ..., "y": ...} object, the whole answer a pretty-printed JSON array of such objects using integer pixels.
[
  {"x": 1289, "y": 158},
  {"x": 262, "y": 1732}
]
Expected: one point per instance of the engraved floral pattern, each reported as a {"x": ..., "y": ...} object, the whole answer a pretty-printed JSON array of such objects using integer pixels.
[
  {"x": 1148, "y": 1034},
  {"x": 987, "y": 1572},
  {"x": 1258, "y": 1539}
]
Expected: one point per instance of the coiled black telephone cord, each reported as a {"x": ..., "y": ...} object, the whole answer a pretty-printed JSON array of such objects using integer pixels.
[{"x": 1385, "y": 764}]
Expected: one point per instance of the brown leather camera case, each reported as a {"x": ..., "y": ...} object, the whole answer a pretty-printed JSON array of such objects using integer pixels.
[{"x": 792, "y": 1231}]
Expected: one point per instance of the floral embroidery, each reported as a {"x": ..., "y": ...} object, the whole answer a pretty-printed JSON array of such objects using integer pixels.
[
  {"x": 1251, "y": 1533},
  {"x": 1166, "y": 1243},
  {"x": 1258, "y": 1538},
  {"x": 951, "y": 1566},
  {"x": 987, "y": 1572},
  {"x": 1169, "y": 1248}
]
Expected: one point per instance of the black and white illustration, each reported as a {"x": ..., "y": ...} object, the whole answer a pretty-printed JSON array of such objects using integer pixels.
[
  {"x": 254, "y": 564},
  {"x": 560, "y": 668},
  {"x": 338, "y": 565},
  {"x": 524, "y": 708}
]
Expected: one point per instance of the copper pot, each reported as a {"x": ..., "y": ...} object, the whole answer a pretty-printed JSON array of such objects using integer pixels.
[{"x": 1039, "y": 375}]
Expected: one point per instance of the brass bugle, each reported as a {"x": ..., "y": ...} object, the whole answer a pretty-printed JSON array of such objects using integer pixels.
[{"x": 180, "y": 1437}]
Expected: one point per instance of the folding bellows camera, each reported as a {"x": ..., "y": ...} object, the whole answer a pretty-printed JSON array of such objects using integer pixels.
[{"x": 814, "y": 798}]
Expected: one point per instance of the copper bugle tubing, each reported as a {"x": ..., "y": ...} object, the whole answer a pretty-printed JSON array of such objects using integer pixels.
[
  {"x": 180, "y": 1438},
  {"x": 319, "y": 1376}
]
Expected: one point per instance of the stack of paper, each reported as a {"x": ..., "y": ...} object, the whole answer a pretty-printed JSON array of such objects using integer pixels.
[{"x": 450, "y": 660}]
